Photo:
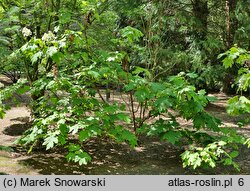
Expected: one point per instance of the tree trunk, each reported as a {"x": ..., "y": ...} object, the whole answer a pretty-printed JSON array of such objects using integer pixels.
[
  {"x": 231, "y": 27},
  {"x": 231, "y": 22}
]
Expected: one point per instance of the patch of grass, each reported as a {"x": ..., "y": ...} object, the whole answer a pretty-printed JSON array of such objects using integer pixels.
[{"x": 5, "y": 148}]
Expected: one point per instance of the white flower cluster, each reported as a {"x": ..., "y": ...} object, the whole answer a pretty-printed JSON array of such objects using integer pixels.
[
  {"x": 48, "y": 36},
  {"x": 110, "y": 59},
  {"x": 26, "y": 32}
]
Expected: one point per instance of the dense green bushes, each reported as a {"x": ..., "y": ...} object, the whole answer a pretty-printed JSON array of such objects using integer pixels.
[{"x": 65, "y": 60}]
